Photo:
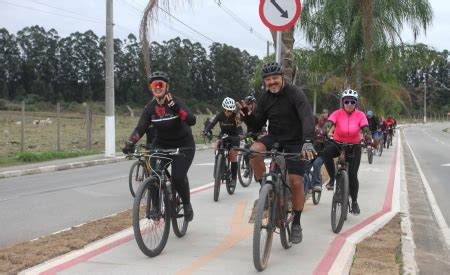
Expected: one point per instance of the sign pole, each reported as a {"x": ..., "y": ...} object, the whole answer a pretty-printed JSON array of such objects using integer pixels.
[{"x": 278, "y": 48}]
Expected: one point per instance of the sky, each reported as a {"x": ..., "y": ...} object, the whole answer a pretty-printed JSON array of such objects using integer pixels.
[{"x": 234, "y": 22}]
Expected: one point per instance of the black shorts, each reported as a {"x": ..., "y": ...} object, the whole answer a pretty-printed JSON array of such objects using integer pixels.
[{"x": 294, "y": 165}]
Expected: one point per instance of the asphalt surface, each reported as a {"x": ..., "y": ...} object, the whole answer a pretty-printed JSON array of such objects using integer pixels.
[
  {"x": 219, "y": 240},
  {"x": 36, "y": 205},
  {"x": 431, "y": 145}
]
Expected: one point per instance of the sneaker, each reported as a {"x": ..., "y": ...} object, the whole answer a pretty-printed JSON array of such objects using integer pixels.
[
  {"x": 296, "y": 233},
  {"x": 355, "y": 208},
  {"x": 233, "y": 183},
  {"x": 317, "y": 188},
  {"x": 330, "y": 184},
  {"x": 188, "y": 212}
]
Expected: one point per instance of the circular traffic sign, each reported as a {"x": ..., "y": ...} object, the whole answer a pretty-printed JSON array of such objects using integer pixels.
[{"x": 279, "y": 15}]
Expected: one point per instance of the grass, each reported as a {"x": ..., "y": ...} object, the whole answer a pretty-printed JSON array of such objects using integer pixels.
[{"x": 40, "y": 140}]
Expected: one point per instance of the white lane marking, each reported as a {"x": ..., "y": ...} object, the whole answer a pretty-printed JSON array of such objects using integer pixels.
[
  {"x": 434, "y": 206},
  {"x": 436, "y": 139},
  {"x": 447, "y": 164},
  {"x": 205, "y": 164}
]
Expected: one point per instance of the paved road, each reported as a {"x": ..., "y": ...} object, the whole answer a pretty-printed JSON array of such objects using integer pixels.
[
  {"x": 432, "y": 149},
  {"x": 37, "y": 205},
  {"x": 428, "y": 195}
]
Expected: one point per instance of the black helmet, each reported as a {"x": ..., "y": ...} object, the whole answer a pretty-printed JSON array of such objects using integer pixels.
[
  {"x": 272, "y": 68},
  {"x": 158, "y": 75},
  {"x": 249, "y": 99}
]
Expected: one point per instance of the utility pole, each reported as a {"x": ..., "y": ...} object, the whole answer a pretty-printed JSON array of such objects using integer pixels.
[
  {"x": 425, "y": 100},
  {"x": 110, "y": 130}
]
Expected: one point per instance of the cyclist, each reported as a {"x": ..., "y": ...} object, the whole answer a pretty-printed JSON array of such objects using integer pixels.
[
  {"x": 346, "y": 125},
  {"x": 205, "y": 125},
  {"x": 374, "y": 126},
  {"x": 319, "y": 144},
  {"x": 291, "y": 124},
  {"x": 388, "y": 128},
  {"x": 230, "y": 124},
  {"x": 172, "y": 120}
]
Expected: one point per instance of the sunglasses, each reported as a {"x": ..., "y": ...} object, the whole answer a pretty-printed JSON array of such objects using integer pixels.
[
  {"x": 349, "y": 102},
  {"x": 228, "y": 111},
  {"x": 158, "y": 85}
]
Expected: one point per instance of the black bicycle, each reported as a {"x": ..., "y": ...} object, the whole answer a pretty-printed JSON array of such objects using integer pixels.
[
  {"x": 222, "y": 166},
  {"x": 273, "y": 209},
  {"x": 309, "y": 178},
  {"x": 245, "y": 170},
  {"x": 340, "y": 205},
  {"x": 157, "y": 205}
]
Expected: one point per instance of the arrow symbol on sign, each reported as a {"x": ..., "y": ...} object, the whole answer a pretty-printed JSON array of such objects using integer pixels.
[{"x": 283, "y": 13}]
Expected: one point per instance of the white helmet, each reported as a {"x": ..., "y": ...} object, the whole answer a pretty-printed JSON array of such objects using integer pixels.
[
  {"x": 229, "y": 104},
  {"x": 350, "y": 93}
]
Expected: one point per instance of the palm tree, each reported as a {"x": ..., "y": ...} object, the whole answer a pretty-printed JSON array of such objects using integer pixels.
[
  {"x": 151, "y": 15},
  {"x": 358, "y": 28}
]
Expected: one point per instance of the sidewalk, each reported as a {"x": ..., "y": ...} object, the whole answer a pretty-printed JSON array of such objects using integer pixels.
[
  {"x": 68, "y": 163},
  {"x": 219, "y": 240}
]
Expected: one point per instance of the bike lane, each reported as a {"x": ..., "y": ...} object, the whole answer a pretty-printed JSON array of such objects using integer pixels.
[{"x": 219, "y": 240}]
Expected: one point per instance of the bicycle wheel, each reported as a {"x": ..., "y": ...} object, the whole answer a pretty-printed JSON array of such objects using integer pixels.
[
  {"x": 151, "y": 223},
  {"x": 218, "y": 171},
  {"x": 286, "y": 220},
  {"x": 388, "y": 142},
  {"x": 370, "y": 155},
  {"x": 179, "y": 224},
  {"x": 245, "y": 171},
  {"x": 339, "y": 205},
  {"x": 228, "y": 179},
  {"x": 380, "y": 146},
  {"x": 136, "y": 176},
  {"x": 263, "y": 227}
]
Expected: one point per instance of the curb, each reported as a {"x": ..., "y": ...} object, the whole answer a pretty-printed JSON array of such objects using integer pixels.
[{"x": 72, "y": 165}]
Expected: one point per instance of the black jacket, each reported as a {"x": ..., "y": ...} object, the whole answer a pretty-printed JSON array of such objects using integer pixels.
[
  {"x": 171, "y": 129},
  {"x": 289, "y": 114},
  {"x": 228, "y": 125}
]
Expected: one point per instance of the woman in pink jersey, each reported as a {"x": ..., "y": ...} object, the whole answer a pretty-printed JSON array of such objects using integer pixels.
[{"x": 346, "y": 125}]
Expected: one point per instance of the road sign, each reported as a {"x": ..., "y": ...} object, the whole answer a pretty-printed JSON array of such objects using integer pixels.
[{"x": 279, "y": 15}]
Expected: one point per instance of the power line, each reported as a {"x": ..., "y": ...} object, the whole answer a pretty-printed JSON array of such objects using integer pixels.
[
  {"x": 241, "y": 22},
  {"x": 164, "y": 23},
  {"x": 82, "y": 18},
  {"x": 184, "y": 24}
]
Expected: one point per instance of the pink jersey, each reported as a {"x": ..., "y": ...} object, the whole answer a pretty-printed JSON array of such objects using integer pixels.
[{"x": 347, "y": 126}]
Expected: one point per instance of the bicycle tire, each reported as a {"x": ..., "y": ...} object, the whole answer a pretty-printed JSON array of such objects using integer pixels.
[
  {"x": 388, "y": 142},
  {"x": 136, "y": 176},
  {"x": 260, "y": 260},
  {"x": 381, "y": 148},
  {"x": 230, "y": 188},
  {"x": 245, "y": 182},
  {"x": 218, "y": 171},
  {"x": 339, "y": 205},
  {"x": 370, "y": 155},
  {"x": 287, "y": 218},
  {"x": 316, "y": 197},
  {"x": 159, "y": 221},
  {"x": 179, "y": 224}
]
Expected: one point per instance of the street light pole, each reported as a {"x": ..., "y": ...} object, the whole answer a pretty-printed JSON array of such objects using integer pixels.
[{"x": 110, "y": 130}]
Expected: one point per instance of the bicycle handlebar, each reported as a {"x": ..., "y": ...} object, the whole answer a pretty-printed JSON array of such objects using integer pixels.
[{"x": 272, "y": 153}]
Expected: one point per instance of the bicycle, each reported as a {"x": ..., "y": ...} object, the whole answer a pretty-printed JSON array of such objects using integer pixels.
[
  {"x": 222, "y": 167},
  {"x": 389, "y": 138},
  {"x": 157, "y": 205},
  {"x": 340, "y": 205},
  {"x": 245, "y": 170},
  {"x": 308, "y": 180},
  {"x": 273, "y": 209},
  {"x": 139, "y": 170}
]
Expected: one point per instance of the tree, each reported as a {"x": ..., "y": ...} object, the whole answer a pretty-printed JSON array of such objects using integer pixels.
[{"x": 10, "y": 60}]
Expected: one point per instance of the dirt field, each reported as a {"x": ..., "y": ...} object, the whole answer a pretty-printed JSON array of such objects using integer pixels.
[
  {"x": 378, "y": 254},
  {"x": 42, "y": 136}
]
